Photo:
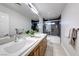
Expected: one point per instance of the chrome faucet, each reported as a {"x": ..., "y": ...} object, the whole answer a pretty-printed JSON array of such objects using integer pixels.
[
  {"x": 16, "y": 35},
  {"x": 16, "y": 38}
]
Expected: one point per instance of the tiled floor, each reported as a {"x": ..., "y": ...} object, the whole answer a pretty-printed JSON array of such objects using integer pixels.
[
  {"x": 54, "y": 39},
  {"x": 54, "y": 49}
]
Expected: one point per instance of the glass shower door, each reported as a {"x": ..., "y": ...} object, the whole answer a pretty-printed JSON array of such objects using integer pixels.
[{"x": 51, "y": 27}]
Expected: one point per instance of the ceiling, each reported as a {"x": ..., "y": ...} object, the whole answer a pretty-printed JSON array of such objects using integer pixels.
[
  {"x": 46, "y": 10},
  {"x": 50, "y": 10},
  {"x": 22, "y": 9}
]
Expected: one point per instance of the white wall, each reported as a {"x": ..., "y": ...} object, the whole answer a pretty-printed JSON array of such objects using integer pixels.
[
  {"x": 16, "y": 20},
  {"x": 4, "y": 24},
  {"x": 69, "y": 20}
]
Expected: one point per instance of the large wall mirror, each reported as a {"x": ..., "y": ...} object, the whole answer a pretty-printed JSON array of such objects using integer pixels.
[{"x": 4, "y": 24}]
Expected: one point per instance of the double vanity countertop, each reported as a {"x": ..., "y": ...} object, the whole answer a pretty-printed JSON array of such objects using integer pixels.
[{"x": 22, "y": 47}]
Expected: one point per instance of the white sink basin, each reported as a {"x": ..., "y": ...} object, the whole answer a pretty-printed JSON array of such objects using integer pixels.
[
  {"x": 5, "y": 40},
  {"x": 23, "y": 46},
  {"x": 20, "y": 45}
]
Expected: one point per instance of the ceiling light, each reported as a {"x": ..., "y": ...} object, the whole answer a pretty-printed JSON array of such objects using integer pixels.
[
  {"x": 53, "y": 23},
  {"x": 32, "y": 8},
  {"x": 18, "y": 4},
  {"x": 50, "y": 23}
]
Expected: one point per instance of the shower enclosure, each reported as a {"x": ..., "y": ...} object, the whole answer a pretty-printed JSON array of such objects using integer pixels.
[{"x": 51, "y": 27}]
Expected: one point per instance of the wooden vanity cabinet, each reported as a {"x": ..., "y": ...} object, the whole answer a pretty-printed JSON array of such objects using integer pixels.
[{"x": 40, "y": 49}]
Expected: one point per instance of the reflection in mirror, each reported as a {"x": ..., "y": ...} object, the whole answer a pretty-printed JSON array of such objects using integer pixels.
[
  {"x": 17, "y": 16},
  {"x": 4, "y": 24}
]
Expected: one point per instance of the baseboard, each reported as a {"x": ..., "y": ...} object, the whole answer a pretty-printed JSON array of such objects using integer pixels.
[{"x": 65, "y": 50}]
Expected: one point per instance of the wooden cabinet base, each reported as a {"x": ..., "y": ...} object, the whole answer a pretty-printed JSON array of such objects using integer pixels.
[{"x": 40, "y": 49}]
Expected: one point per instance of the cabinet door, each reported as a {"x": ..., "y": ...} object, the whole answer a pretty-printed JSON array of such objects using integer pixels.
[
  {"x": 44, "y": 46},
  {"x": 41, "y": 50},
  {"x": 37, "y": 52},
  {"x": 45, "y": 43}
]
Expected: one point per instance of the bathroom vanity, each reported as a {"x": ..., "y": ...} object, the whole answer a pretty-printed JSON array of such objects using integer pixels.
[
  {"x": 26, "y": 46},
  {"x": 40, "y": 49}
]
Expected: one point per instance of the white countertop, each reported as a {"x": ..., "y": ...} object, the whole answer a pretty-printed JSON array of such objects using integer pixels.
[{"x": 25, "y": 50}]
